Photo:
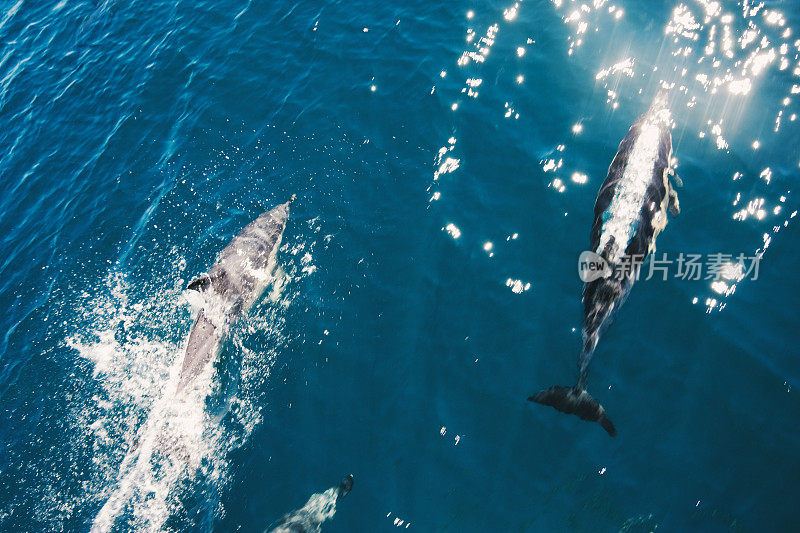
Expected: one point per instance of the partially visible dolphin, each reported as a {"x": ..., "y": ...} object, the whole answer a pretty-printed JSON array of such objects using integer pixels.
[
  {"x": 319, "y": 508},
  {"x": 231, "y": 287},
  {"x": 630, "y": 211}
]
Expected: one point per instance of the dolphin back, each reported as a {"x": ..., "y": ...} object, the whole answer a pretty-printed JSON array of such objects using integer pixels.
[{"x": 204, "y": 341}]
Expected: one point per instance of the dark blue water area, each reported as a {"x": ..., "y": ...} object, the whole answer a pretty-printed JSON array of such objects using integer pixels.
[{"x": 140, "y": 137}]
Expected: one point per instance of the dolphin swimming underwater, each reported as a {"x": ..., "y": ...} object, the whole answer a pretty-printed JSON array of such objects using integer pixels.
[
  {"x": 231, "y": 287},
  {"x": 319, "y": 508},
  {"x": 629, "y": 213}
]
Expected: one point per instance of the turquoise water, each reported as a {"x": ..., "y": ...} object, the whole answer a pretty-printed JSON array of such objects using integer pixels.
[{"x": 442, "y": 202}]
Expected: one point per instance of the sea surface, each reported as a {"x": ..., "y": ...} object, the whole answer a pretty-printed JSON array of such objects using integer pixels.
[{"x": 445, "y": 157}]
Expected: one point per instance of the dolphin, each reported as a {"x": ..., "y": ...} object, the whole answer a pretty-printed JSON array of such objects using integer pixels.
[
  {"x": 319, "y": 508},
  {"x": 231, "y": 287},
  {"x": 235, "y": 282},
  {"x": 630, "y": 211}
]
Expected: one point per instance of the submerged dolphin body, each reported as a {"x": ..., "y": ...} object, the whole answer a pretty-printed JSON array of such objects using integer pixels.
[
  {"x": 319, "y": 508},
  {"x": 231, "y": 287},
  {"x": 629, "y": 212}
]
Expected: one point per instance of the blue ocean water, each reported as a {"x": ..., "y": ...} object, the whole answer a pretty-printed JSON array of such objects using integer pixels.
[{"x": 445, "y": 158}]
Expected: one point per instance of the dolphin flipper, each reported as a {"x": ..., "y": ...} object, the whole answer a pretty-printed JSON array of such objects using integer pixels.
[
  {"x": 674, "y": 205},
  {"x": 675, "y": 178},
  {"x": 575, "y": 401}
]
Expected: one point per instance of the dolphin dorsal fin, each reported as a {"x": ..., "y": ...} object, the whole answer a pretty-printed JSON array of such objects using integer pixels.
[
  {"x": 199, "y": 284},
  {"x": 203, "y": 281}
]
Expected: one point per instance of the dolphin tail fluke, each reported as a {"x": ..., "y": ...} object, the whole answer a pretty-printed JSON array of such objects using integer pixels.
[{"x": 575, "y": 401}]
